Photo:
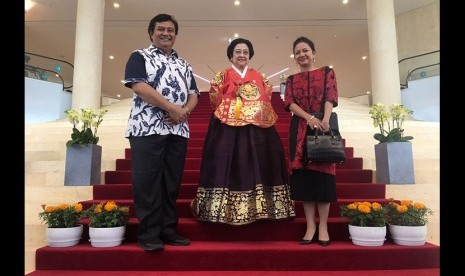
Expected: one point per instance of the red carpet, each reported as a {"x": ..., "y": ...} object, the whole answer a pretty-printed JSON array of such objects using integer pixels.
[
  {"x": 398, "y": 272},
  {"x": 261, "y": 248}
]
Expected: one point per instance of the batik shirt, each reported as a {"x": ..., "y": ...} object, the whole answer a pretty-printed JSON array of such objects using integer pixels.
[{"x": 171, "y": 76}]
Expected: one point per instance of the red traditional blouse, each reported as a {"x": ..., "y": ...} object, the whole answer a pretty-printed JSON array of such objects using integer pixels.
[
  {"x": 240, "y": 101},
  {"x": 307, "y": 91}
]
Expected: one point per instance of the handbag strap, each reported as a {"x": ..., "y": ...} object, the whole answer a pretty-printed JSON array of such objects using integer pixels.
[
  {"x": 331, "y": 134},
  {"x": 322, "y": 105}
]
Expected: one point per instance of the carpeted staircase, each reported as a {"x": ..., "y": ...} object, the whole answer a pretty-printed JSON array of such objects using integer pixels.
[{"x": 261, "y": 248}]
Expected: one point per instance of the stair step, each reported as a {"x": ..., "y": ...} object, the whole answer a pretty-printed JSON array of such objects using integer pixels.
[
  {"x": 282, "y": 230},
  {"x": 193, "y": 176},
  {"x": 193, "y": 163},
  {"x": 188, "y": 191},
  {"x": 391, "y": 272},
  {"x": 196, "y": 152},
  {"x": 274, "y": 255},
  {"x": 195, "y": 133},
  {"x": 184, "y": 211}
]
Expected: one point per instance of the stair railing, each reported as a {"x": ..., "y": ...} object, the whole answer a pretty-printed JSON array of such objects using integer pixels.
[
  {"x": 39, "y": 73},
  {"x": 417, "y": 62},
  {"x": 409, "y": 75},
  {"x": 37, "y": 66}
]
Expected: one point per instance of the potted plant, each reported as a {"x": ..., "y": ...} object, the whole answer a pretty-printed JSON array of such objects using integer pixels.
[
  {"x": 107, "y": 223},
  {"x": 83, "y": 155},
  {"x": 407, "y": 221},
  {"x": 367, "y": 222},
  {"x": 63, "y": 228},
  {"x": 393, "y": 153}
]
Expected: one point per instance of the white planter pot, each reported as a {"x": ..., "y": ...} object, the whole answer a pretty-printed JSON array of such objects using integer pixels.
[
  {"x": 63, "y": 237},
  {"x": 367, "y": 236},
  {"x": 106, "y": 237},
  {"x": 408, "y": 235}
]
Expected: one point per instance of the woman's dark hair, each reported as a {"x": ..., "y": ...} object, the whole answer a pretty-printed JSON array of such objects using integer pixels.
[
  {"x": 162, "y": 17},
  {"x": 236, "y": 41},
  {"x": 304, "y": 40}
]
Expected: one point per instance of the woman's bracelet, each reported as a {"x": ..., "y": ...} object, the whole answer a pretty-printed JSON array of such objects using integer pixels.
[
  {"x": 187, "y": 110},
  {"x": 308, "y": 121}
]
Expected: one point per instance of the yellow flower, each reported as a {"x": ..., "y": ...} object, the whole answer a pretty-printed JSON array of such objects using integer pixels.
[
  {"x": 371, "y": 214},
  {"x": 390, "y": 122},
  {"x": 107, "y": 214},
  {"x": 407, "y": 213},
  {"x": 62, "y": 215},
  {"x": 90, "y": 119}
]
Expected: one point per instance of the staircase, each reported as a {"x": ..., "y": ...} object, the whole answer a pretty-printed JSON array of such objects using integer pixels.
[{"x": 269, "y": 246}]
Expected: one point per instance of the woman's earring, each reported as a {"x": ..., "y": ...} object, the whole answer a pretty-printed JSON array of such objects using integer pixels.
[{"x": 313, "y": 59}]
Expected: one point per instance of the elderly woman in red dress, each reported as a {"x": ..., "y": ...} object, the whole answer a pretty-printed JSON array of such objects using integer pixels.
[{"x": 243, "y": 175}]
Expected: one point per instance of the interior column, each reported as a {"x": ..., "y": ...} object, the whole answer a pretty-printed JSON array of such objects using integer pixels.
[
  {"x": 87, "y": 78},
  {"x": 382, "y": 40}
]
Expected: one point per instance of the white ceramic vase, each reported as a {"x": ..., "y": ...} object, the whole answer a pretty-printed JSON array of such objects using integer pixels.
[
  {"x": 408, "y": 235},
  {"x": 106, "y": 237},
  {"x": 367, "y": 236},
  {"x": 63, "y": 237}
]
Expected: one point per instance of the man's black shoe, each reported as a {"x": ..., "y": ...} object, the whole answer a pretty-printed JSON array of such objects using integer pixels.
[
  {"x": 175, "y": 239},
  {"x": 150, "y": 246}
]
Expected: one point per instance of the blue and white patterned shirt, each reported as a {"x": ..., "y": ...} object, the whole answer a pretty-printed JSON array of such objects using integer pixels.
[{"x": 171, "y": 76}]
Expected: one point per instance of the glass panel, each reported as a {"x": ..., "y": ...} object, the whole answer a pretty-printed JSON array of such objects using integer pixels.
[{"x": 48, "y": 69}]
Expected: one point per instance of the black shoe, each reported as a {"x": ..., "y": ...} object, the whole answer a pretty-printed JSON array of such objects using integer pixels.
[
  {"x": 306, "y": 242},
  {"x": 152, "y": 245},
  {"x": 324, "y": 243},
  {"x": 175, "y": 239}
]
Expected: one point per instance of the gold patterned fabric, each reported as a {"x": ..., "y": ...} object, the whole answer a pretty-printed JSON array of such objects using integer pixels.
[{"x": 239, "y": 208}]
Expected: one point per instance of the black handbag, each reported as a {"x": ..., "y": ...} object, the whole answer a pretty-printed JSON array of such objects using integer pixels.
[{"x": 325, "y": 147}]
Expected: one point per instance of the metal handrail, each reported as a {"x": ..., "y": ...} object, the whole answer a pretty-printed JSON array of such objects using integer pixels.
[
  {"x": 64, "y": 61},
  {"x": 35, "y": 68},
  {"x": 418, "y": 68},
  {"x": 418, "y": 56},
  {"x": 28, "y": 66}
]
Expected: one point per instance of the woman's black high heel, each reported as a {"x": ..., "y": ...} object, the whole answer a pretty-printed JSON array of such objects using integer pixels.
[{"x": 305, "y": 242}]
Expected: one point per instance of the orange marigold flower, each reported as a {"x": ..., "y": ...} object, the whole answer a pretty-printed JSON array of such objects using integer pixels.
[
  {"x": 98, "y": 209},
  {"x": 364, "y": 209},
  {"x": 419, "y": 206},
  {"x": 77, "y": 207},
  {"x": 63, "y": 206},
  {"x": 366, "y": 203},
  {"x": 376, "y": 206},
  {"x": 352, "y": 206},
  {"x": 50, "y": 209},
  {"x": 110, "y": 206},
  {"x": 406, "y": 202},
  {"x": 402, "y": 208}
]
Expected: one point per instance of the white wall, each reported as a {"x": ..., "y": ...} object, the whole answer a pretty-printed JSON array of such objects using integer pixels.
[
  {"x": 44, "y": 101},
  {"x": 422, "y": 96}
]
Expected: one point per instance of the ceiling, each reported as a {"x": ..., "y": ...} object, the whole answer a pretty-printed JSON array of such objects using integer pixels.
[{"x": 339, "y": 31}]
